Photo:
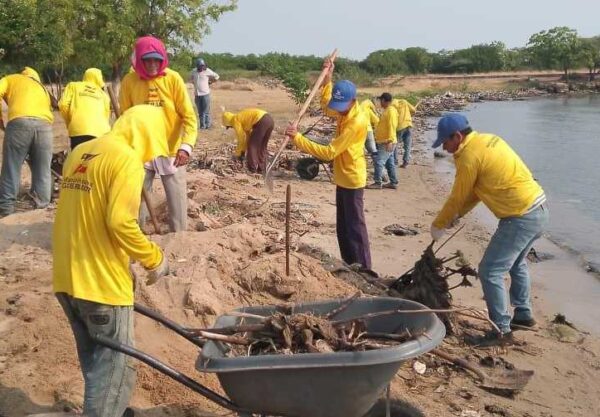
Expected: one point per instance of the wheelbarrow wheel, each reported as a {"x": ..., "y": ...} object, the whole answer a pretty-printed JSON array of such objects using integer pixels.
[{"x": 308, "y": 168}]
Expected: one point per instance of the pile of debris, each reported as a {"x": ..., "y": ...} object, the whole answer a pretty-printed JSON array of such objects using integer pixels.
[{"x": 288, "y": 334}]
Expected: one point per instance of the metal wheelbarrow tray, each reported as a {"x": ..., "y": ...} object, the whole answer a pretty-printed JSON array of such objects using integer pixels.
[{"x": 338, "y": 384}]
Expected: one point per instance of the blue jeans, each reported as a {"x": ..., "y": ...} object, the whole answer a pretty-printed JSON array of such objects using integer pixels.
[
  {"x": 109, "y": 376},
  {"x": 507, "y": 252},
  {"x": 404, "y": 137},
  {"x": 26, "y": 136},
  {"x": 203, "y": 105},
  {"x": 385, "y": 159}
]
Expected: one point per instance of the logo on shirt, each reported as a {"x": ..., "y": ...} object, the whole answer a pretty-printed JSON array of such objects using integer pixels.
[{"x": 85, "y": 158}]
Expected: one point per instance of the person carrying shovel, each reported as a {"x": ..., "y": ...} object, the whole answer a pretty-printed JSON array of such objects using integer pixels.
[
  {"x": 488, "y": 170},
  {"x": 85, "y": 106},
  {"x": 95, "y": 235},
  {"x": 153, "y": 83},
  {"x": 253, "y": 128},
  {"x": 349, "y": 164}
]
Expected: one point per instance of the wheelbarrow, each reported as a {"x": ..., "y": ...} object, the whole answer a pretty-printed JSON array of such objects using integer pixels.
[{"x": 309, "y": 384}]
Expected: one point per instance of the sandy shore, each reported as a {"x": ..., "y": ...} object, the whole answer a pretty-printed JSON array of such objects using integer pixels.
[{"x": 229, "y": 265}]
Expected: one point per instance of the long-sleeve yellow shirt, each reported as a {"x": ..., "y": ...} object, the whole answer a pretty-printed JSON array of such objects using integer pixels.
[
  {"x": 85, "y": 106},
  {"x": 242, "y": 123},
  {"x": 405, "y": 112},
  {"x": 488, "y": 170},
  {"x": 96, "y": 230},
  {"x": 346, "y": 149},
  {"x": 25, "y": 96},
  {"x": 169, "y": 93},
  {"x": 369, "y": 107},
  {"x": 385, "y": 131}
]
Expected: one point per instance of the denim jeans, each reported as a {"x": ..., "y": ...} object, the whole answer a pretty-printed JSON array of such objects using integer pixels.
[
  {"x": 109, "y": 376},
  {"x": 507, "y": 252},
  {"x": 404, "y": 137},
  {"x": 203, "y": 105},
  {"x": 385, "y": 159},
  {"x": 26, "y": 136}
]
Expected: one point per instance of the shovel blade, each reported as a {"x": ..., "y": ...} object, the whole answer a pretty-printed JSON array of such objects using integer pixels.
[{"x": 508, "y": 380}]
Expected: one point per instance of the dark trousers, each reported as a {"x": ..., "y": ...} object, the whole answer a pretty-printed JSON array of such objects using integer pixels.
[
  {"x": 256, "y": 155},
  {"x": 351, "y": 227},
  {"x": 78, "y": 140}
]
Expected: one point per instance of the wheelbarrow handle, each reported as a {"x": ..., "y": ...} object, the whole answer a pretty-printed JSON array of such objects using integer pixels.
[
  {"x": 167, "y": 370},
  {"x": 169, "y": 324}
]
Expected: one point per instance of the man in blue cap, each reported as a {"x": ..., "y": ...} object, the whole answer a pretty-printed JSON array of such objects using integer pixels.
[
  {"x": 488, "y": 170},
  {"x": 349, "y": 164},
  {"x": 202, "y": 77}
]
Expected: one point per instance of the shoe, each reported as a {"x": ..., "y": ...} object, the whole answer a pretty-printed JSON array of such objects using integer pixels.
[
  {"x": 375, "y": 186},
  {"x": 516, "y": 324},
  {"x": 494, "y": 339},
  {"x": 404, "y": 165},
  {"x": 128, "y": 413},
  {"x": 390, "y": 185}
]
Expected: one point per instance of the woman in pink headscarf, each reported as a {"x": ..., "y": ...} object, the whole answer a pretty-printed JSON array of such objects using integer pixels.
[{"x": 152, "y": 82}]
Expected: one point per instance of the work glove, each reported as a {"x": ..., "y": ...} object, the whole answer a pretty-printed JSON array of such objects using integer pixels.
[
  {"x": 436, "y": 234},
  {"x": 160, "y": 271}
]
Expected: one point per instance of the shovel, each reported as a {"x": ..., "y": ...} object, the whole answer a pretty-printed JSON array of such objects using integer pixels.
[
  {"x": 311, "y": 95},
  {"x": 145, "y": 196},
  {"x": 511, "y": 380}
]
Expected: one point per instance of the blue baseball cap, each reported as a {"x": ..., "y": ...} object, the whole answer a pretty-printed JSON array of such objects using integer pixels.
[
  {"x": 448, "y": 125},
  {"x": 344, "y": 92},
  {"x": 153, "y": 55}
]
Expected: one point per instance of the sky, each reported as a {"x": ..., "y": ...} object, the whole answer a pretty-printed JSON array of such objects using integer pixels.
[{"x": 315, "y": 27}]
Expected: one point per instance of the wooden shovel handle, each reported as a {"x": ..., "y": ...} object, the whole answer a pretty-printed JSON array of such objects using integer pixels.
[{"x": 302, "y": 111}]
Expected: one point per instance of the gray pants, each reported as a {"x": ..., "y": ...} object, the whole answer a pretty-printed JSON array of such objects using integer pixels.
[
  {"x": 176, "y": 190},
  {"x": 203, "y": 105},
  {"x": 26, "y": 136},
  {"x": 109, "y": 376}
]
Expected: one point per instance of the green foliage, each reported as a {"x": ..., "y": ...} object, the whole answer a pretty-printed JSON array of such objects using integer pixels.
[
  {"x": 418, "y": 60},
  {"x": 292, "y": 76},
  {"x": 590, "y": 55},
  {"x": 558, "y": 47},
  {"x": 385, "y": 62}
]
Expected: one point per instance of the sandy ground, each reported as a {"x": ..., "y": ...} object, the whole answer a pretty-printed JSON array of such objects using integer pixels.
[{"x": 237, "y": 260}]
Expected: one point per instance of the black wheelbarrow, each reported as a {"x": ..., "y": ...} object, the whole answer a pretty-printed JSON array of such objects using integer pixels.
[{"x": 334, "y": 384}]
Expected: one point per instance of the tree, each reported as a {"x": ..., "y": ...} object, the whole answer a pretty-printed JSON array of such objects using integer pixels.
[
  {"x": 418, "y": 60},
  {"x": 558, "y": 47},
  {"x": 385, "y": 62},
  {"x": 106, "y": 30},
  {"x": 35, "y": 33},
  {"x": 590, "y": 55}
]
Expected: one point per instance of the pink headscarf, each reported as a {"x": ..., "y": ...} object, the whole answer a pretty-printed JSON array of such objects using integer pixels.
[{"x": 144, "y": 45}]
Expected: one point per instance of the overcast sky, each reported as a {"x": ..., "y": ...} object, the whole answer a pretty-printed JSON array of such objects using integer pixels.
[{"x": 360, "y": 27}]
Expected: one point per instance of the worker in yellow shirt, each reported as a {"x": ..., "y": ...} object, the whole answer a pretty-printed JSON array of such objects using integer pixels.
[
  {"x": 349, "y": 164},
  {"x": 385, "y": 137},
  {"x": 95, "y": 235},
  {"x": 253, "y": 128},
  {"x": 153, "y": 83},
  {"x": 369, "y": 108},
  {"x": 403, "y": 135},
  {"x": 85, "y": 106},
  {"x": 488, "y": 170},
  {"x": 28, "y": 132}
]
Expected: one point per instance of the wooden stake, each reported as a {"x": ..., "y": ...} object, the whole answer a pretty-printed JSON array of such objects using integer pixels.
[{"x": 288, "y": 201}]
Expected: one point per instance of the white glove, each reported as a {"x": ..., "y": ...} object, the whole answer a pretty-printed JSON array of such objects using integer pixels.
[
  {"x": 436, "y": 234},
  {"x": 160, "y": 271}
]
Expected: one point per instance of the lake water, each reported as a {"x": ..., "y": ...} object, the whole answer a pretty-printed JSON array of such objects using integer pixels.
[{"x": 559, "y": 140}]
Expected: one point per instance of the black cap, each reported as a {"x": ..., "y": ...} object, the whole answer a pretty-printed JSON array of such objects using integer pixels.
[{"x": 385, "y": 97}]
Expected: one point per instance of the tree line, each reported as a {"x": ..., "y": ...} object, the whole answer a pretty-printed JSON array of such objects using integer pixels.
[{"x": 62, "y": 37}]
